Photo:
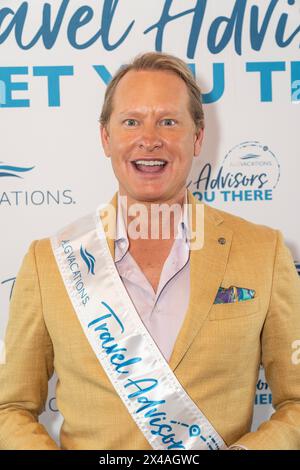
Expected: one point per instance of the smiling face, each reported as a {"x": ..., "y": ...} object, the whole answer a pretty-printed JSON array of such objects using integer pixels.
[{"x": 151, "y": 136}]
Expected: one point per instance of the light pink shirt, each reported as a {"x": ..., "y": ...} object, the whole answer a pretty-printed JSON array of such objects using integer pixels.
[{"x": 162, "y": 312}]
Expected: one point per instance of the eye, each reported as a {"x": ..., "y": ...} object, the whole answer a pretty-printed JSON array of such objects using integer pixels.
[
  {"x": 168, "y": 122},
  {"x": 130, "y": 122}
]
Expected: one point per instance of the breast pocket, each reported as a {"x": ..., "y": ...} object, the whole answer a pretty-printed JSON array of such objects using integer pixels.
[{"x": 243, "y": 308}]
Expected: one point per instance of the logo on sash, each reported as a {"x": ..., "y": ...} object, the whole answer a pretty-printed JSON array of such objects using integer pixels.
[{"x": 88, "y": 259}]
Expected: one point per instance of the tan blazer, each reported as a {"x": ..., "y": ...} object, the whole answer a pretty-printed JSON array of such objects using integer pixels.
[{"x": 216, "y": 356}]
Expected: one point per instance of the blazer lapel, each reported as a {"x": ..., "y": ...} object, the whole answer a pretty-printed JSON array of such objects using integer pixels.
[{"x": 207, "y": 268}]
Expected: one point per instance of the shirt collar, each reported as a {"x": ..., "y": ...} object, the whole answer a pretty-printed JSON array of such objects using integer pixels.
[{"x": 122, "y": 242}]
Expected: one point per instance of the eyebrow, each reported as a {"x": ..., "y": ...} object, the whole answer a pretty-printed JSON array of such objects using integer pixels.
[{"x": 140, "y": 113}]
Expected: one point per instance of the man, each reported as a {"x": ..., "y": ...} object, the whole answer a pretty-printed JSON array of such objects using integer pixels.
[{"x": 123, "y": 319}]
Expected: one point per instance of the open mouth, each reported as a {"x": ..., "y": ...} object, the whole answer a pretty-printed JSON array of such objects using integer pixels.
[{"x": 150, "y": 166}]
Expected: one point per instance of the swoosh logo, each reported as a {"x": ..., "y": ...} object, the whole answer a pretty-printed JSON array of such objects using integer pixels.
[
  {"x": 12, "y": 171},
  {"x": 88, "y": 259},
  {"x": 249, "y": 156}
]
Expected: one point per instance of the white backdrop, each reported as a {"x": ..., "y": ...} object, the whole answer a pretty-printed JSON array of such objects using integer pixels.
[{"x": 55, "y": 62}]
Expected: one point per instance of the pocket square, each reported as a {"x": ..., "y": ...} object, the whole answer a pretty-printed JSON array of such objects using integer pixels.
[{"x": 233, "y": 294}]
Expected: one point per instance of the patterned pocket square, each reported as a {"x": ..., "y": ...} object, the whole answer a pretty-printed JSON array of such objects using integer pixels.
[{"x": 233, "y": 294}]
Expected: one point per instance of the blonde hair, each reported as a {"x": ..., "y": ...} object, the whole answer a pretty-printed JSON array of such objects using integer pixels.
[{"x": 157, "y": 61}]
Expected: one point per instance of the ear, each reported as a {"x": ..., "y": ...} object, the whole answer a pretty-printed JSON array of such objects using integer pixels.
[
  {"x": 198, "y": 142},
  {"x": 105, "y": 140}
]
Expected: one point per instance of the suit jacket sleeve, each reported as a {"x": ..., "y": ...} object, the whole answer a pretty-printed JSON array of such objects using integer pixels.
[
  {"x": 29, "y": 365},
  {"x": 281, "y": 358}
]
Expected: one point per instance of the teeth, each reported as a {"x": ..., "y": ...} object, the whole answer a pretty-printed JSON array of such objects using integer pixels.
[{"x": 150, "y": 162}]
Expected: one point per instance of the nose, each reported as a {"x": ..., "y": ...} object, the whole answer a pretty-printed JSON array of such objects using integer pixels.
[{"x": 150, "y": 140}]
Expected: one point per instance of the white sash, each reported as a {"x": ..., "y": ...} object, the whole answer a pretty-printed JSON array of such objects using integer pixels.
[{"x": 155, "y": 399}]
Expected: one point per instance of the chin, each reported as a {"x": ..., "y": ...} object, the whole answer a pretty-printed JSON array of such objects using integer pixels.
[{"x": 149, "y": 196}]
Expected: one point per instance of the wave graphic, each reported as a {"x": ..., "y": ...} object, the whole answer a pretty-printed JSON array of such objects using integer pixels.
[
  {"x": 88, "y": 259},
  {"x": 12, "y": 171}
]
